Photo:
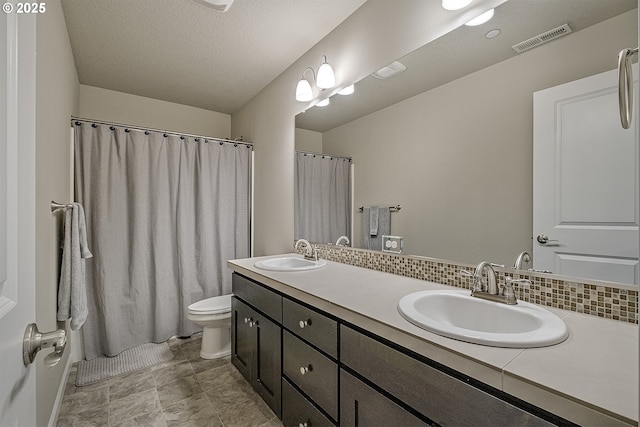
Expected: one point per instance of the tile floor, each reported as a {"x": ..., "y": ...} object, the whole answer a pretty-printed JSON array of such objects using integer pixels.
[{"x": 187, "y": 391}]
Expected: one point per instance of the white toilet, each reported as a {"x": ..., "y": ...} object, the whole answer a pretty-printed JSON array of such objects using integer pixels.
[{"x": 214, "y": 315}]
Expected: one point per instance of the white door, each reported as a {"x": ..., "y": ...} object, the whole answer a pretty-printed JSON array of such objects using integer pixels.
[
  {"x": 17, "y": 215},
  {"x": 585, "y": 182}
]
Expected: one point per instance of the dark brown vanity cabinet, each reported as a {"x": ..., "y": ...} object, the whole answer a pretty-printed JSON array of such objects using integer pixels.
[
  {"x": 256, "y": 339},
  {"x": 313, "y": 369}
]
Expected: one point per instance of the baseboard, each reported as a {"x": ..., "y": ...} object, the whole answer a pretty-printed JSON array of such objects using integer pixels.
[{"x": 61, "y": 388}]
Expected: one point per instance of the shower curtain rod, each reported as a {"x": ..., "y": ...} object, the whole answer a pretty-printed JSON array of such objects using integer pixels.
[
  {"x": 324, "y": 155},
  {"x": 167, "y": 132}
]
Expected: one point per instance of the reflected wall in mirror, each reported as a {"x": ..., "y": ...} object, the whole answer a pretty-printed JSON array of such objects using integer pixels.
[{"x": 451, "y": 138}]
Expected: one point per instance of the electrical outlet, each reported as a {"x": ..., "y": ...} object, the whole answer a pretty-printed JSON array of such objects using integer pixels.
[{"x": 392, "y": 244}]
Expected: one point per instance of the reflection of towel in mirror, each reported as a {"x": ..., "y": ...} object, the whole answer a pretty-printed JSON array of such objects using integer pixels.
[
  {"x": 72, "y": 290},
  {"x": 384, "y": 227},
  {"x": 373, "y": 220}
]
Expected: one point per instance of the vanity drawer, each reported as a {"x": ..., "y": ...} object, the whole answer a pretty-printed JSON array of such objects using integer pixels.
[
  {"x": 440, "y": 397},
  {"x": 312, "y": 372},
  {"x": 297, "y": 410},
  {"x": 312, "y": 326},
  {"x": 258, "y": 296}
]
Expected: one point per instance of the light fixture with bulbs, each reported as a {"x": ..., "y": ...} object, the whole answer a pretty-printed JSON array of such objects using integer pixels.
[
  {"x": 455, "y": 4},
  {"x": 326, "y": 79},
  {"x": 304, "y": 93},
  {"x": 481, "y": 19}
]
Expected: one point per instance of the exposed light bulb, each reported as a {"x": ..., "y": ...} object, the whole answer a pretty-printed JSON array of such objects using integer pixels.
[
  {"x": 455, "y": 4},
  {"x": 347, "y": 90},
  {"x": 326, "y": 78},
  {"x": 481, "y": 19},
  {"x": 323, "y": 103},
  {"x": 303, "y": 91}
]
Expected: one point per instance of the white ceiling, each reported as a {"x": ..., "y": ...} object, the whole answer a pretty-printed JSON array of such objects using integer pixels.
[
  {"x": 462, "y": 52},
  {"x": 180, "y": 51}
]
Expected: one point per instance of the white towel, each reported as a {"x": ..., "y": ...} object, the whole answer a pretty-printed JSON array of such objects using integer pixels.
[{"x": 72, "y": 290}]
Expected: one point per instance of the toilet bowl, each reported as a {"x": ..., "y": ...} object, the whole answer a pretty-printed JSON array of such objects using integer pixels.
[{"x": 214, "y": 315}]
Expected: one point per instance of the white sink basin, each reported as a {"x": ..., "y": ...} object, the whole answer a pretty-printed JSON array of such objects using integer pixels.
[
  {"x": 456, "y": 314},
  {"x": 290, "y": 263}
]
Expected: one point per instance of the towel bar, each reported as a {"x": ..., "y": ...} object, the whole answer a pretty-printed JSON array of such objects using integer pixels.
[
  {"x": 395, "y": 208},
  {"x": 56, "y": 206}
]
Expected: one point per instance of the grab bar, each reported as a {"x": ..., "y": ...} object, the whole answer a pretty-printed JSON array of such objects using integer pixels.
[{"x": 625, "y": 86}]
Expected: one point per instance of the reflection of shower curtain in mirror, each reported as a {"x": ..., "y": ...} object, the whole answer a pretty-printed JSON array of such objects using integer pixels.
[{"x": 322, "y": 198}]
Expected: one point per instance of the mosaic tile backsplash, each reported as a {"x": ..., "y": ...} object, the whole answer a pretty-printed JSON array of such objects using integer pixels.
[{"x": 602, "y": 300}]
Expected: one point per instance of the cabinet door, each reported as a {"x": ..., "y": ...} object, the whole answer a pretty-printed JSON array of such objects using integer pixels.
[
  {"x": 267, "y": 358},
  {"x": 360, "y": 405},
  {"x": 242, "y": 338}
]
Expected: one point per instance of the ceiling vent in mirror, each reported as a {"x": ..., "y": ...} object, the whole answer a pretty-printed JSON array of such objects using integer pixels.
[
  {"x": 543, "y": 38},
  {"x": 219, "y": 5},
  {"x": 389, "y": 70}
]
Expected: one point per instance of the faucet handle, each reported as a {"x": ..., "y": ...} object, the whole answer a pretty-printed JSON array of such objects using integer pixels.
[
  {"x": 477, "y": 282},
  {"x": 522, "y": 282},
  {"x": 466, "y": 273},
  {"x": 508, "y": 291}
]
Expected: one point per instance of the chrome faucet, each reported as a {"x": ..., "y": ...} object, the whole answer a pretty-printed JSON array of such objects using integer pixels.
[
  {"x": 309, "y": 251},
  {"x": 521, "y": 259},
  {"x": 492, "y": 286},
  {"x": 341, "y": 240},
  {"x": 491, "y": 291}
]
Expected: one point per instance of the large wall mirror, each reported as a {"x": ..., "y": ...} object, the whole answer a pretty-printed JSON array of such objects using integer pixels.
[{"x": 451, "y": 138}]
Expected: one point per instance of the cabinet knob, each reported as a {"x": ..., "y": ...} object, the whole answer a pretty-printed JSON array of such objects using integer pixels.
[
  {"x": 304, "y": 323},
  {"x": 248, "y": 319},
  {"x": 253, "y": 323},
  {"x": 305, "y": 369}
]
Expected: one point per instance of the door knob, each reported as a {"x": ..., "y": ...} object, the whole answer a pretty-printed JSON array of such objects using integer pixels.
[
  {"x": 34, "y": 341},
  {"x": 543, "y": 240}
]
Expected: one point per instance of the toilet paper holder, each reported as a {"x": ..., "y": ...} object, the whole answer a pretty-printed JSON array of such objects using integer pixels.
[{"x": 34, "y": 341}]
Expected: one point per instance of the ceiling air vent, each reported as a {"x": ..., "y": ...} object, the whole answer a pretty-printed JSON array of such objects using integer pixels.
[{"x": 542, "y": 38}]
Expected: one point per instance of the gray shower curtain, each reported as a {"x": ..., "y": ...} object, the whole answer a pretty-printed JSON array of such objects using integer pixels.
[
  {"x": 322, "y": 198},
  {"x": 164, "y": 214}
]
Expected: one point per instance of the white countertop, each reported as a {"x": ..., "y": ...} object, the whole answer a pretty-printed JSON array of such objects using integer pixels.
[{"x": 591, "y": 378}]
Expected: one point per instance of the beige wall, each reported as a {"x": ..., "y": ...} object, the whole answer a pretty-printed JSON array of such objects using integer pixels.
[
  {"x": 308, "y": 140},
  {"x": 119, "y": 107},
  {"x": 57, "y": 99},
  {"x": 462, "y": 153},
  {"x": 356, "y": 48}
]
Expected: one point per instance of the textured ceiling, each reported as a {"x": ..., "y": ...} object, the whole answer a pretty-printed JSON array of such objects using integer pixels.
[
  {"x": 462, "y": 52},
  {"x": 180, "y": 51}
]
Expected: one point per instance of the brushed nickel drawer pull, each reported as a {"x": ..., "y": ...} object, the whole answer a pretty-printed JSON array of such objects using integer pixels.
[
  {"x": 304, "y": 323},
  {"x": 305, "y": 369}
]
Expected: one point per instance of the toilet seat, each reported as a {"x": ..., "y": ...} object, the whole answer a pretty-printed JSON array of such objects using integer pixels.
[{"x": 214, "y": 305}]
